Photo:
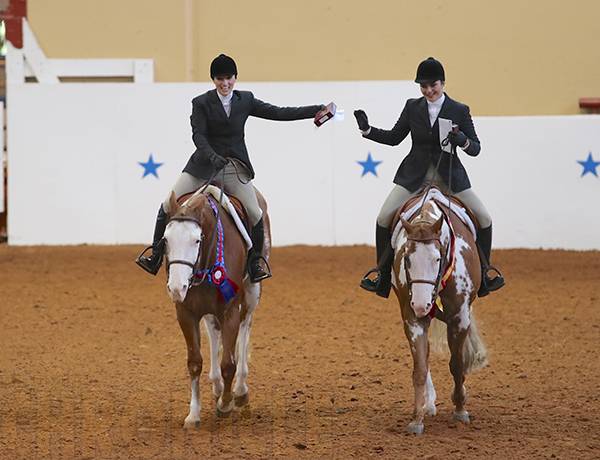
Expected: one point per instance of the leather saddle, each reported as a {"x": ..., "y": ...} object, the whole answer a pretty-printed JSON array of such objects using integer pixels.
[
  {"x": 415, "y": 199},
  {"x": 237, "y": 204}
]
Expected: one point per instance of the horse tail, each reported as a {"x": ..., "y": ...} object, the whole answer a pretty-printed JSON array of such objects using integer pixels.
[
  {"x": 438, "y": 337},
  {"x": 475, "y": 356}
]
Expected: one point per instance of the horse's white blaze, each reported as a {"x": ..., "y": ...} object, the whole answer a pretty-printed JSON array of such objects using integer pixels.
[
  {"x": 183, "y": 243},
  {"x": 424, "y": 265}
]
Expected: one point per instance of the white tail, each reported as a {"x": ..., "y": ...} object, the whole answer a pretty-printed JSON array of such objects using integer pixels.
[{"x": 475, "y": 355}]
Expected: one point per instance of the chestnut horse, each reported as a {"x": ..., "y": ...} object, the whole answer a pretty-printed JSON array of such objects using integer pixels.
[
  {"x": 436, "y": 275},
  {"x": 207, "y": 278}
]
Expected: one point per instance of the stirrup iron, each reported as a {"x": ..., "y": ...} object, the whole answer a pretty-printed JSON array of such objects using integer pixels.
[
  {"x": 369, "y": 284},
  {"x": 268, "y": 273}
]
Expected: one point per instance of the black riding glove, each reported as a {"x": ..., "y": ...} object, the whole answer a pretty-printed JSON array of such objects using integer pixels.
[
  {"x": 217, "y": 160},
  {"x": 362, "y": 120},
  {"x": 458, "y": 138}
]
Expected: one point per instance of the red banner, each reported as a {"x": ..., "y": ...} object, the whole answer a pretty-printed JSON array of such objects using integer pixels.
[{"x": 11, "y": 16}]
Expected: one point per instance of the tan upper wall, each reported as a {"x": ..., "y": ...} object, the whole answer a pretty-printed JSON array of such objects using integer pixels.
[{"x": 515, "y": 57}]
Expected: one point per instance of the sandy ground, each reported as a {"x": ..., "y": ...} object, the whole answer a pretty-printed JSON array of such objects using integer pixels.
[{"x": 93, "y": 364}]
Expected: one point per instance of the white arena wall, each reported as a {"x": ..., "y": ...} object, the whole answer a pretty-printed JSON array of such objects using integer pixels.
[{"x": 74, "y": 173}]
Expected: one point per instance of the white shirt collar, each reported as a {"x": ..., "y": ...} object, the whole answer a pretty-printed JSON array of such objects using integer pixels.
[
  {"x": 225, "y": 99},
  {"x": 437, "y": 104},
  {"x": 434, "y": 108}
]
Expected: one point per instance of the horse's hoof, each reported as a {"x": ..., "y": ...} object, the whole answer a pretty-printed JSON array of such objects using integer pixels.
[
  {"x": 464, "y": 417},
  {"x": 222, "y": 414},
  {"x": 191, "y": 423},
  {"x": 413, "y": 428},
  {"x": 240, "y": 401}
]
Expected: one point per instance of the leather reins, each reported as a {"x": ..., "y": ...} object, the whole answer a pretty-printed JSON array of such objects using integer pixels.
[
  {"x": 194, "y": 265},
  {"x": 443, "y": 250}
]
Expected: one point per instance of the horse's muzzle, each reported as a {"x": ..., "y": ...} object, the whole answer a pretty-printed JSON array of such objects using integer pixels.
[{"x": 177, "y": 290}]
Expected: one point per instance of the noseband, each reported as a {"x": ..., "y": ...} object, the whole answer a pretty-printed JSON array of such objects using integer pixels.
[{"x": 194, "y": 264}]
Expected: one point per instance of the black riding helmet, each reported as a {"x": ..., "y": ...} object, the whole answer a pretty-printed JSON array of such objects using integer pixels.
[
  {"x": 429, "y": 71},
  {"x": 222, "y": 66}
]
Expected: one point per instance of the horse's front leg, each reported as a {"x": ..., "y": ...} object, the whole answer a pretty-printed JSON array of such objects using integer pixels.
[
  {"x": 214, "y": 336},
  {"x": 430, "y": 396},
  {"x": 251, "y": 298},
  {"x": 190, "y": 326},
  {"x": 456, "y": 338},
  {"x": 229, "y": 333},
  {"x": 416, "y": 333}
]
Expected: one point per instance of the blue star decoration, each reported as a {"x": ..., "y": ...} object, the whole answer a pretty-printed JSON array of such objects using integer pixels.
[
  {"x": 589, "y": 166},
  {"x": 369, "y": 165},
  {"x": 150, "y": 167}
]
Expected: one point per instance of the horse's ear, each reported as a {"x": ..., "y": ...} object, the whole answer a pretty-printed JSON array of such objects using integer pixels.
[
  {"x": 437, "y": 227},
  {"x": 173, "y": 206},
  {"x": 409, "y": 227}
]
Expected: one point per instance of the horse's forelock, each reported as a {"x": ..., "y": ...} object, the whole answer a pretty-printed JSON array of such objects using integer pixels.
[
  {"x": 196, "y": 207},
  {"x": 423, "y": 231}
]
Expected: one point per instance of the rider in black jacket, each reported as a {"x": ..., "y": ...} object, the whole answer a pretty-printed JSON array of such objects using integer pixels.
[
  {"x": 218, "y": 119},
  {"x": 419, "y": 118}
]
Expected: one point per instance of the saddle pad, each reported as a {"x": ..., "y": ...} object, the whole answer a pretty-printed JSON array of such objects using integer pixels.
[
  {"x": 435, "y": 194},
  {"x": 230, "y": 204}
]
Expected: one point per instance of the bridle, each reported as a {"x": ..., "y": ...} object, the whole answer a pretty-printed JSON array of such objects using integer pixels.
[
  {"x": 194, "y": 264},
  {"x": 438, "y": 280},
  {"x": 437, "y": 283},
  {"x": 443, "y": 250}
]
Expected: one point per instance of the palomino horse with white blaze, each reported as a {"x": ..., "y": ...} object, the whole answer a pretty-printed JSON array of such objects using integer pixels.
[
  {"x": 206, "y": 263},
  {"x": 436, "y": 275}
]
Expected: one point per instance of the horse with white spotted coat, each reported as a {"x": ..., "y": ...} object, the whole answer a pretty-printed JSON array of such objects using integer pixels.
[{"x": 436, "y": 277}]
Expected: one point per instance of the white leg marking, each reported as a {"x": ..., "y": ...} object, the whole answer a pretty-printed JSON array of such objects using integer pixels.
[
  {"x": 214, "y": 336},
  {"x": 193, "y": 419},
  {"x": 241, "y": 374},
  {"x": 430, "y": 395}
]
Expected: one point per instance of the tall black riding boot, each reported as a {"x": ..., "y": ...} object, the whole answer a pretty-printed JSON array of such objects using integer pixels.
[
  {"x": 153, "y": 263},
  {"x": 484, "y": 240},
  {"x": 255, "y": 270},
  {"x": 382, "y": 283}
]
